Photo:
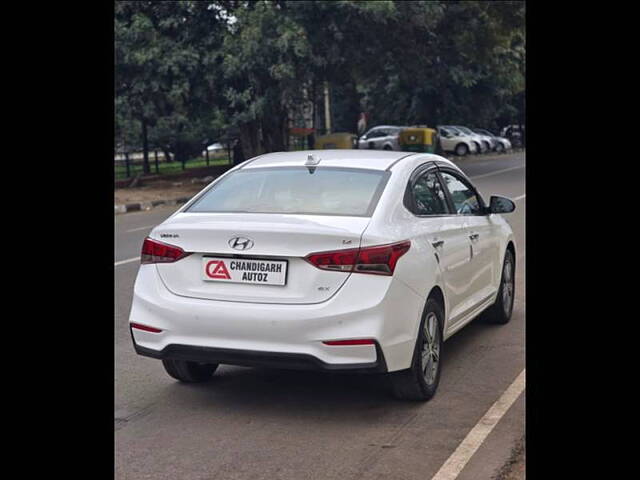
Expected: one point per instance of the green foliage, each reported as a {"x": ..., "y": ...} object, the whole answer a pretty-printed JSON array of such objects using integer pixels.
[
  {"x": 167, "y": 74},
  {"x": 190, "y": 70}
]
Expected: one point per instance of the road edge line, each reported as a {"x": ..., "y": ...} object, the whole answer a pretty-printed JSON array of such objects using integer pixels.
[
  {"x": 496, "y": 172},
  {"x": 478, "y": 434}
]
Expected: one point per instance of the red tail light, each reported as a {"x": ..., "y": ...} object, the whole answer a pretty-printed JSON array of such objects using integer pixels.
[
  {"x": 154, "y": 251},
  {"x": 378, "y": 260}
]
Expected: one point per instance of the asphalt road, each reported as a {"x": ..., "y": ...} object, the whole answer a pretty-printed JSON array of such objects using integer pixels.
[{"x": 274, "y": 424}]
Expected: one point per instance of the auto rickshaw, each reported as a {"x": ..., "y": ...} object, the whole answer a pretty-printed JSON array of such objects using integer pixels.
[
  {"x": 418, "y": 139},
  {"x": 336, "y": 140}
]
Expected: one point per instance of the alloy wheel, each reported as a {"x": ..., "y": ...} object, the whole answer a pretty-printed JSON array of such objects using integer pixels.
[
  {"x": 430, "y": 355},
  {"x": 507, "y": 286}
]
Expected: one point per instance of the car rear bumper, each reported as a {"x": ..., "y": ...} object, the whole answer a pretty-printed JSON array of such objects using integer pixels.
[
  {"x": 383, "y": 309},
  {"x": 253, "y": 358}
]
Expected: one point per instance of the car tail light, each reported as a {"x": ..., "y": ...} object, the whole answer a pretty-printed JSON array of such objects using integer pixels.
[
  {"x": 378, "y": 260},
  {"x": 154, "y": 251}
]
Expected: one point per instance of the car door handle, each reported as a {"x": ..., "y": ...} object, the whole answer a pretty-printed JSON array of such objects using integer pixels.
[
  {"x": 437, "y": 243},
  {"x": 474, "y": 236}
]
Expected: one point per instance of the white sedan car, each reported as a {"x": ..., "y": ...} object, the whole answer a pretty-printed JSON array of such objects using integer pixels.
[
  {"x": 453, "y": 141},
  {"x": 336, "y": 260},
  {"x": 500, "y": 144}
]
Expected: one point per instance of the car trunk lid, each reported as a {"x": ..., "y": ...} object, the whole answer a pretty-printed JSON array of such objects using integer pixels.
[{"x": 272, "y": 237}]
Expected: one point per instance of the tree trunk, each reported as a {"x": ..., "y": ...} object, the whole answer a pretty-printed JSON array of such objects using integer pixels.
[
  {"x": 250, "y": 139},
  {"x": 146, "y": 168},
  {"x": 273, "y": 132},
  {"x": 167, "y": 155}
]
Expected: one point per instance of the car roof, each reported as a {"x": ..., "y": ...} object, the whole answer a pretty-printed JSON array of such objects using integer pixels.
[
  {"x": 370, "y": 159},
  {"x": 365, "y": 159}
]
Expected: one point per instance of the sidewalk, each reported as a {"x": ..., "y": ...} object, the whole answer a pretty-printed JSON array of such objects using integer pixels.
[{"x": 158, "y": 192}]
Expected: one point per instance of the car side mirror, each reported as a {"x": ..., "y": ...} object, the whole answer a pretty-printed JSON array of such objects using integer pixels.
[{"x": 499, "y": 204}]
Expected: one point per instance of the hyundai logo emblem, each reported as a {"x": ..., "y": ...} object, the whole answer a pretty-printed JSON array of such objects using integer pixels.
[{"x": 241, "y": 243}]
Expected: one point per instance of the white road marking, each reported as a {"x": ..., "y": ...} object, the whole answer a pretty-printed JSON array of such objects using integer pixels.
[
  {"x": 139, "y": 228},
  {"x": 128, "y": 260},
  {"x": 520, "y": 197},
  {"x": 458, "y": 459},
  {"x": 496, "y": 172}
]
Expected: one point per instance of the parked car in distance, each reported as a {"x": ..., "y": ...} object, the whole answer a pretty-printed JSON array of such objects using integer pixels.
[
  {"x": 382, "y": 137},
  {"x": 515, "y": 134},
  {"x": 452, "y": 141},
  {"x": 500, "y": 144},
  {"x": 334, "y": 260},
  {"x": 216, "y": 147},
  {"x": 484, "y": 143}
]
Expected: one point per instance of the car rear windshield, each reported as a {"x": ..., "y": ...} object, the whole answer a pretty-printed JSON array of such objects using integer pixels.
[{"x": 296, "y": 190}]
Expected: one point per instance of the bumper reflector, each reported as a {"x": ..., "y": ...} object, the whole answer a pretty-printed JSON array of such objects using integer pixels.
[
  {"x": 361, "y": 341},
  {"x": 145, "y": 328}
]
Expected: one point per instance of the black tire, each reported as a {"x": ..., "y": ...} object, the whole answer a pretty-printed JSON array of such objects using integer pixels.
[
  {"x": 487, "y": 145},
  {"x": 387, "y": 147},
  {"x": 189, "y": 372},
  {"x": 411, "y": 384},
  {"x": 461, "y": 150},
  {"x": 499, "y": 147},
  {"x": 500, "y": 312}
]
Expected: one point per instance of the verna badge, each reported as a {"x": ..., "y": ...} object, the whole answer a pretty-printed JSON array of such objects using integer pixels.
[{"x": 241, "y": 243}]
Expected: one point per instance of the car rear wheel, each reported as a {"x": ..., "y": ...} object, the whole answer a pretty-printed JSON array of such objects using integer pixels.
[
  {"x": 189, "y": 372},
  {"x": 461, "y": 150},
  {"x": 500, "y": 312},
  {"x": 420, "y": 381},
  {"x": 499, "y": 147}
]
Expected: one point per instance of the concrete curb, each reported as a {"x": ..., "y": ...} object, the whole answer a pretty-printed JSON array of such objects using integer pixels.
[{"x": 143, "y": 206}]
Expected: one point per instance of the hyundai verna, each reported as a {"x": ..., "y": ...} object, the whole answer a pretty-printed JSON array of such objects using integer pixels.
[{"x": 358, "y": 261}]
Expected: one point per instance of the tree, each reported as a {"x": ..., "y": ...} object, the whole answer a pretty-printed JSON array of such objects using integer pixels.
[
  {"x": 188, "y": 71},
  {"x": 167, "y": 73},
  {"x": 265, "y": 69}
]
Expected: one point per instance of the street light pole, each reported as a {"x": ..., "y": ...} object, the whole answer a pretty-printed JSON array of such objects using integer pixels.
[{"x": 327, "y": 109}]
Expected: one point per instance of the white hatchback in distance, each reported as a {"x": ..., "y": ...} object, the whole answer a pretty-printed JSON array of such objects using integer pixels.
[{"x": 337, "y": 260}]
